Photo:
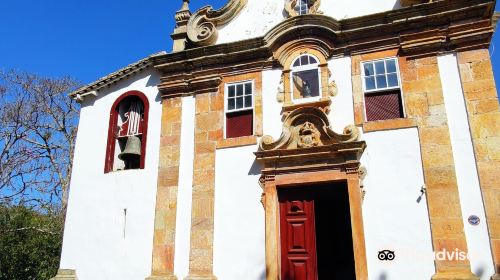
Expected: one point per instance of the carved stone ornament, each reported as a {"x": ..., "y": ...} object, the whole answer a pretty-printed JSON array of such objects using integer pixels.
[
  {"x": 292, "y": 12},
  {"x": 202, "y": 26},
  {"x": 332, "y": 86},
  {"x": 308, "y": 136},
  {"x": 280, "y": 97},
  {"x": 307, "y": 127}
]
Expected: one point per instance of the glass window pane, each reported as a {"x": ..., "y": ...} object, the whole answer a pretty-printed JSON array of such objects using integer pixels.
[
  {"x": 380, "y": 67},
  {"x": 239, "y": 90},
  {"x": 248, "y": 89},
  {"x": 312, "y": 60},
  {"x": 297, "y": 63},
  {"x": 248, "y": 101},
  {"x": 231, "y": 91},
  {"x": 369, "y": 83},
  {"x": 304, "y": 60},
  {"x": 391, "y": 66},
  {"x": 369, "y": 71},
  {"x": 230, "y": 104},
  {"x": 393, "y": 80},
  {"x": 381, "y": 82},
  {"x": 239, "y": 102},
  {"x": 306, "y": 84}
]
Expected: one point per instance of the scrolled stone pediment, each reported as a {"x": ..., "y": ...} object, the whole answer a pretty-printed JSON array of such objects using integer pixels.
[{"x": 307, "y": 127}]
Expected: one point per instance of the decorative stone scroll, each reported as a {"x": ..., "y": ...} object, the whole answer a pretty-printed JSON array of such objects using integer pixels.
[
  {"x": 332, "y": 86},
  {"x": 313, "y": 7},
  {"x": 307, "y": 127},
  {"x": 202, "y": 26}
]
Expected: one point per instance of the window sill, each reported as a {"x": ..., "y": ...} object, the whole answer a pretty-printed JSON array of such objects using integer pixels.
[
  {"x": 318, "y": 103},
  {"x": 237, "y": 142},
  {"x": 388, "y": 124}
]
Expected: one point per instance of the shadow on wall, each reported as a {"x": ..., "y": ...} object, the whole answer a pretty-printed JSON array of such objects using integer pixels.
[
  {"x": 397, "y": 5},
  {"x": 383, "y": 276},
  {"x": 255, "y": 169},
  {"x": 262, "y": 275},
  {"x": 479, "y": 272}
]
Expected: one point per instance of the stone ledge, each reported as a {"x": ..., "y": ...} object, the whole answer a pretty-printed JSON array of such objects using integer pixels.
[
  {"x": 389, "y": 125},
  {"x": 164, "y": 277},
  {"x": 197, "y": 277},
  {"x": 236, "y": 142},
  {"x": 460, "y": 275},
  {"x": 65, "y": 274}
]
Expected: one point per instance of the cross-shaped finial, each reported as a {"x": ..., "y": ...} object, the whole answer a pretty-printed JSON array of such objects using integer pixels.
[{"x": 185, "y": 5}]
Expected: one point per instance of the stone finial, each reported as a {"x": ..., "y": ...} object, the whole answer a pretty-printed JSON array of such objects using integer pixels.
[{"x": 182, "y": 17}]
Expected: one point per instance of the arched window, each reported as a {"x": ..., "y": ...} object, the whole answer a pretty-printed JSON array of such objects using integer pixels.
[
  {"x": 305, "y": 77},
  {"x": 127, "y": 133}
]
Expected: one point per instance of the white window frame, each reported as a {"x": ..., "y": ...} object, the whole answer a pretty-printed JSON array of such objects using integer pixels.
[
  {"x": 226, "y": 97},
  {"x": 295, "y": 69},
  {"x": 374, "y": 91}
]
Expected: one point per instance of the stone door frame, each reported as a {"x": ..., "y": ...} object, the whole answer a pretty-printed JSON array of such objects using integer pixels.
[{"x": 271, "y": 185}]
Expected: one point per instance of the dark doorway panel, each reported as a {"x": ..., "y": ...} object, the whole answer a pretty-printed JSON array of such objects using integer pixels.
[{"x": 335, "y": 254}]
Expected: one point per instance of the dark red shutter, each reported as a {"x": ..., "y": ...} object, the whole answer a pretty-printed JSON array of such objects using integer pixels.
[
  {"x": 298, "y": 238},
  {"x": 383, "y": 106},
  {"x": 239, "y": 124}
]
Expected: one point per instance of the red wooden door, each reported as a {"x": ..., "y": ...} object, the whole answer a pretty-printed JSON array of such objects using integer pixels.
[{"x": 298, "y": 237}]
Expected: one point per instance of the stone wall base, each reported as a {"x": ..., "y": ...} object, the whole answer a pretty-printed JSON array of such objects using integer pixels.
[
  {"x": 461, "y": 275},
  {"x": 200, "y": 277},
  {"x": 495, "y": 277},
  {"x": 65, "y": 274},
  {"x": 163, "y": 277}
]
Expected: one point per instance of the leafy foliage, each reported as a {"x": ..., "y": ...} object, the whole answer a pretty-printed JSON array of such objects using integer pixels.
[{"x": 30, "y": 243}]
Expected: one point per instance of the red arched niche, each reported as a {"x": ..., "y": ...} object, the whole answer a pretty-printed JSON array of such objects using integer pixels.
[{"x": 113, "y": 129}]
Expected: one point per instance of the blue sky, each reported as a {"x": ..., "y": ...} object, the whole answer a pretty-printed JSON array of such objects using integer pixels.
[{"x": 88, "y": 39}]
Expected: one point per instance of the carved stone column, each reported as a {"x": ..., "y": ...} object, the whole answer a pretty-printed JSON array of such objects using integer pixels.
[
  {"x": 208, "y": 122},
  {"x": 166, "y": 193}
]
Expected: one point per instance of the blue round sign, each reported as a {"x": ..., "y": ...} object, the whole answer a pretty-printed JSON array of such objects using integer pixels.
[{"x": 474, "y": 220}]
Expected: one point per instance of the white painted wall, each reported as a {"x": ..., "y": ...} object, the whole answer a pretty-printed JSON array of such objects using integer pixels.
[
  {"x": 271, "y": 12},
  {"x": 341, "y": 9},
  {"x": 471, "y": 200},
  {"x": 342, "y": 110},
  {"x": 393, "y": 220},
  {"x": 256, "y": 19},
  {"x": 271, "y": 108},
  {"x": 98, "y": 242},
  {"x": 239, "y": 234},
  {"x": 185, "y": 189}
]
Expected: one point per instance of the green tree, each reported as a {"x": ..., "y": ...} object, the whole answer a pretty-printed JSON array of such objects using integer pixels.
[{"x": 30, "y": 243}]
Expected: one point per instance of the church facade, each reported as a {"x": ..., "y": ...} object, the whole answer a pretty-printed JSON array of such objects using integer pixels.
[{"x": 294, "y": 139}]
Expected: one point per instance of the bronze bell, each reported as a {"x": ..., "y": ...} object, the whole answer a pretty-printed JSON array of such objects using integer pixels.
[{"x": 132, "y": 149}]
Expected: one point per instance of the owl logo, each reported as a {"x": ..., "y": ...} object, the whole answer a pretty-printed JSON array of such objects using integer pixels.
[{"x": 386, "y": 255}]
